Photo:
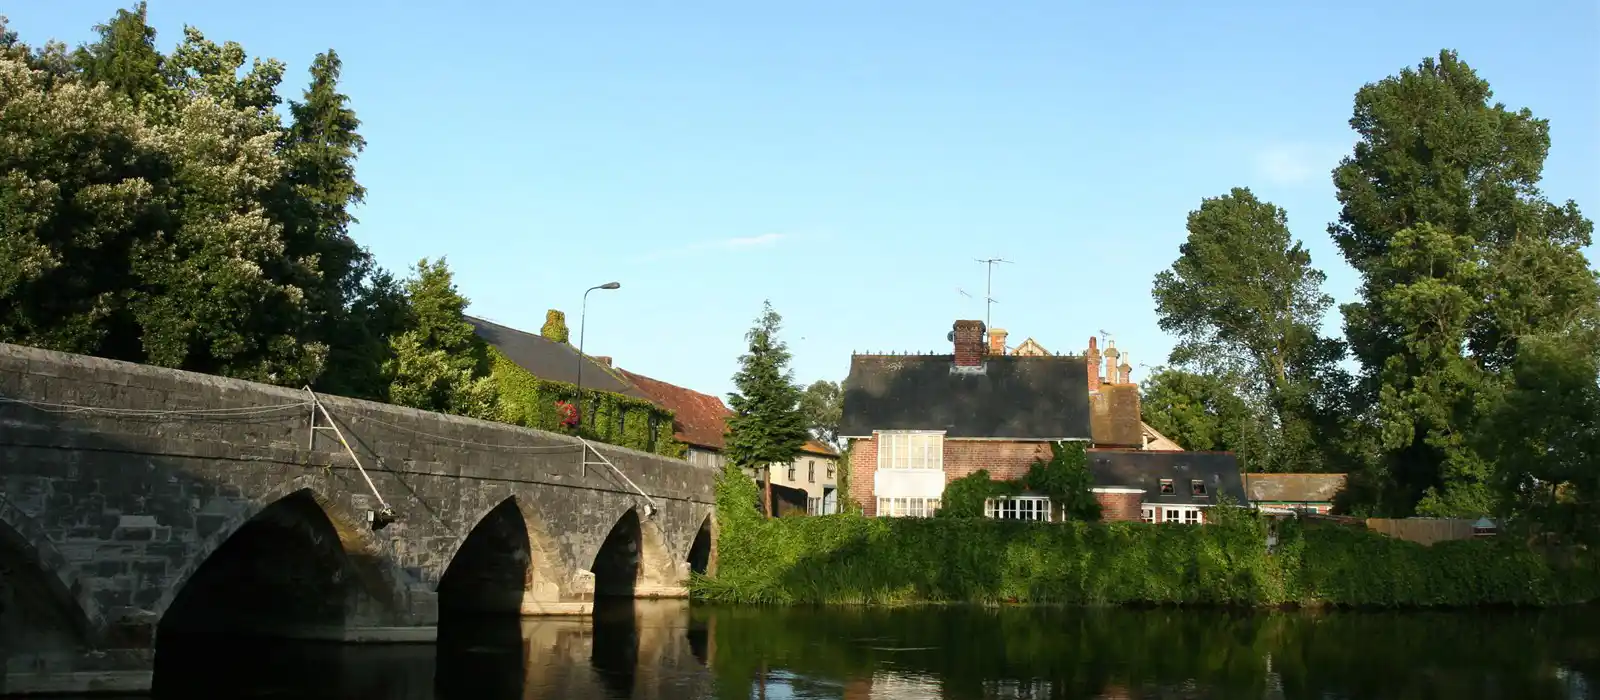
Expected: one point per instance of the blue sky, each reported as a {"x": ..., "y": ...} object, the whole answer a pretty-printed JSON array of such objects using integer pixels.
[{"x": 851, "y": 160}]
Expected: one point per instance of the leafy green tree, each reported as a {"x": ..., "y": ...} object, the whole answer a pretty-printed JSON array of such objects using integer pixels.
[
  {"x": 767, "y": 426},
  {"x": 1202, "y": 412},
  {"x": 1461, "y": 257},
  {"x": 822, "y": 404},
  {"x": 555, "y": 326},
  {"x": 439, "y": 362},
  {"x": 1546, "y": 466},
  {"x": 1246, "y": 303},
  {"x": 78, "y": 192},
  {"x": 124, "y": 59}
]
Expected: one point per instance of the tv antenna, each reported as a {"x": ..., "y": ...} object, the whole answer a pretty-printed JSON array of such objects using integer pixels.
[{"x": 988, "y": 289}]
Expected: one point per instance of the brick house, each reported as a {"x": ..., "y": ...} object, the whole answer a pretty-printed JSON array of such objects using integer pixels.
[{"x": 916, "y": 422}]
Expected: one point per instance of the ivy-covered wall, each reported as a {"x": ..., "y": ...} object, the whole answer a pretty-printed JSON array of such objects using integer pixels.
[{"x": 531, "y": 402}]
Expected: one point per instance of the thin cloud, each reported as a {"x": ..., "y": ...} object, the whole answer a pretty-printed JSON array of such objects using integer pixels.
[
  {"x": 1296, "y": 164},
  {"x": 765, "y": 239},
  {"x": 739, "y": 243}
]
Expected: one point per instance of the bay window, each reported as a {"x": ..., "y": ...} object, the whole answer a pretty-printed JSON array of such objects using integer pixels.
[{"x": 911, "y": 450}]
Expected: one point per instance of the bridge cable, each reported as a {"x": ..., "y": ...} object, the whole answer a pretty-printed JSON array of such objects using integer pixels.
[
  {"x": 386, "y": 514},
  {"x": 588, "y": 447}
]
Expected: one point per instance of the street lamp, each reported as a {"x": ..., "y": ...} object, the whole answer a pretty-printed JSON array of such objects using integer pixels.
[{"x": 583, "y": 317}]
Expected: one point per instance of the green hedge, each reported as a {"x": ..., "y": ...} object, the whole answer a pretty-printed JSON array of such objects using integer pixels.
[
  {"x": 530, "y": 402},
  {"x": 855, "y": 559}
]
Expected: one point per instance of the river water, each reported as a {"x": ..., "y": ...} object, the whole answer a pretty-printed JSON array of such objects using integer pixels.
[{"x": 669, "y": 650}]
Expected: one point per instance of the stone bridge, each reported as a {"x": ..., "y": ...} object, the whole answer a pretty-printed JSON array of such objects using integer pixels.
[{"x": 140, "y": 504}]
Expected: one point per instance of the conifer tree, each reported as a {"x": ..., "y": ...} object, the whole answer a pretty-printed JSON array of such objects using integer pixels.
[{"x": 767, "y": 425}]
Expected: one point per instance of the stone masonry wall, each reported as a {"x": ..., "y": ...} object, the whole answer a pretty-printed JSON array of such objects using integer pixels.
[{"x": 117, "y": 481}]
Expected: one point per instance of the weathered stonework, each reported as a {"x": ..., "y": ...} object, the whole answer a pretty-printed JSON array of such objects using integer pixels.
[{"x": 110, "y": 517}]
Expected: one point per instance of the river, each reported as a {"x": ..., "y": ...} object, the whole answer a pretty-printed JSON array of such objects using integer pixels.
[{"x": 670, "y": 651}]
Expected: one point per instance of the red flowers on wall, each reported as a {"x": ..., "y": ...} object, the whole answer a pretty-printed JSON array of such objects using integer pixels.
[{"x": 569, "y": 414}]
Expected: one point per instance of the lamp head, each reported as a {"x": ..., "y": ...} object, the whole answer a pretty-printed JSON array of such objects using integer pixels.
[{"x": 611, "y": 285}]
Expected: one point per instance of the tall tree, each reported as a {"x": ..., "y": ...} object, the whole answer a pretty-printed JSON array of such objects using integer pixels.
[
  {"x": 124, "y": 59},
  {"x": 767, "y": 426},
  {"x": 1460, "y": 257},
  {"x": 439, "y": 362},
  {"x": 1246, "y": 303},
  {"x": 822, "y": 404}
]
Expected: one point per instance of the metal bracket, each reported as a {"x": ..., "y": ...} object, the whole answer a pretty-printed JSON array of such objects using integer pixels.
[
  {"x": 377, "y": 519},
  {"x": 650, "y": 504}
]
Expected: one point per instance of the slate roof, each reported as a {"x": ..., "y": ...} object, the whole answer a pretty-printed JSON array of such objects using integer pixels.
[
  {"x": 1145, "y": 469},
  {"x": 698, "y": 419},
  {"x": 549, "y": 360},
  {"x": 1025, "y": 398},
  {"x": 1294, "y": 488}
]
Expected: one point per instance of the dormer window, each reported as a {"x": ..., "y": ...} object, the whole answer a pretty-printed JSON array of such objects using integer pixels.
[
  {"x": 1198, "y": 488},
  {"x": 1166, "y": 487}
]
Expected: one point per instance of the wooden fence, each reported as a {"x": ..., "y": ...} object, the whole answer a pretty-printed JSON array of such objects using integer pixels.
[
  {"x": 1419, "y": 530},
  {"x": 1423, "y": 530}
]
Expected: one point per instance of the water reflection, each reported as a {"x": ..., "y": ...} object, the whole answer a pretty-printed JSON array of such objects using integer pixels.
[{"x": 666, "y": 650}]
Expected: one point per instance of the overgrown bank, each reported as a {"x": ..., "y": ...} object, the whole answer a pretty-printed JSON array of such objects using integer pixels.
[{"x": 851, "y": 559}]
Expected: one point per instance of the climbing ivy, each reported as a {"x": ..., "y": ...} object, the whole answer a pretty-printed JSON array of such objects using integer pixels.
[
  {"x": 1064, "y": 478},
  {"x": 532, "y": 402}
]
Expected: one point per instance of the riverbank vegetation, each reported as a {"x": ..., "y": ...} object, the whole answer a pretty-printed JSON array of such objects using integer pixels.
[
  {"x": 851, "y": 559},
  {"x": 164, "y": 208},
  {"x": 1474, "y": 335}
]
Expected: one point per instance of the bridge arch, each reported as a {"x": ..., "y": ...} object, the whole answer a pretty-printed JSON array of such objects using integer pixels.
[
  {"x": 698, "y": 558},
  {"x": 39, "y": 611},
  {"x": 505, "y": 564},
  {"x": 634, "y": 560},
  {"x": 291, "y": 564}
]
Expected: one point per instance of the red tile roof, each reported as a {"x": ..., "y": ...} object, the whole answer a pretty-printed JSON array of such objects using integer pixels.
[
  {"x": 698, "y": 419},
  {"x": 817, "y": 448}
]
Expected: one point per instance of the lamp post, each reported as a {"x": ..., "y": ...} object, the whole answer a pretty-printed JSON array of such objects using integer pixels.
[{"x": 583, "y": 317}]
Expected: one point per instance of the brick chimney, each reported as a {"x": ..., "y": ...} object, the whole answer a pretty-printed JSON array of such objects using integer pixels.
[
  {"x": 1111, "y": 363},
  {"x": 1125, "y": 370},
  {"x": 997, "y": 341},
  {"x": 1093, "y": 357},
  {"x": 968, "y": 339}
]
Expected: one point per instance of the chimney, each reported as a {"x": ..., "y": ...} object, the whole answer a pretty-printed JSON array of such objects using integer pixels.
[
  {"x": 1093, "y": 357},
  {"x": 968, "y": 339},
  {"x": 602, "y": 359},
  {"x": 1126, "y": 370},
  {"x": 1111, "y": 363},
  {"x": 997, "y": 341}
]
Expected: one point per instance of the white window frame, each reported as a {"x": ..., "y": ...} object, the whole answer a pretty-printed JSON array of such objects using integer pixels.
[
  {"x": 911, "y": 450},
  {"x": 889, "y": 507},
  {"x": 1147, "y": 514},
  {"x": 1174, "y": 514},
  {"x": 1021, "y": 507}
]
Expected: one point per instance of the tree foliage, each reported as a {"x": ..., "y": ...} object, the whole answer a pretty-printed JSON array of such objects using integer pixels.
[
  {"x": 767, "y": 426},
  {"x": 1461, "y": 259},
  {"x": 822, "y": 403},
  {"x": 439, "y": 363},
  {"x": 1246, "y": 305}
]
